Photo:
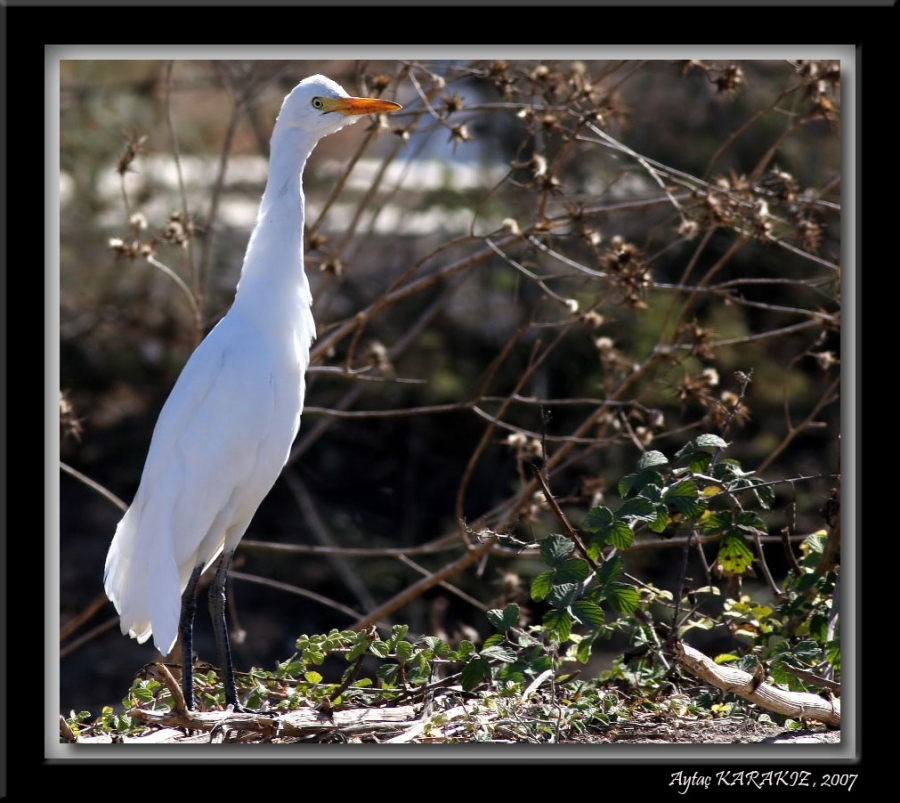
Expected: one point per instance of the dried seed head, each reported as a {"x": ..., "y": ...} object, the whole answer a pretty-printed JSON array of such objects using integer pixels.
[
  {"x": 516, "y": 440},
  {"x": 730, "y": 79},
  {"x": 378, "y": 357},
  {"x": 761, "y": 218},
  {"x": 133, "y": 146},
  {"x": 511, "y": 226},
  {"x": 315, "y": 241},
  {"x": 70, "y": 423},
  {"x": 592, "y": 319},
  {"x": 459, "y": 133},
  {"x": 453, "y": 104},
  {"x": 688, "y": 229},
  {"x": 333, "y": 266},
  {"x": 729, "y": 398},
  {"x": 178, "y": 230},
  {"x": 511, "y": 584},
  {"x": 826, "y": 359}
]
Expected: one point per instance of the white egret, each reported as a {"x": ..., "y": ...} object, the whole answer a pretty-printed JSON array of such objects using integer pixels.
[{"x": 226, "y": 430}]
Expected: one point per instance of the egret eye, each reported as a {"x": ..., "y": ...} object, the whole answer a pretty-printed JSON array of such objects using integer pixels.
[{"x": 318, "y": 103}]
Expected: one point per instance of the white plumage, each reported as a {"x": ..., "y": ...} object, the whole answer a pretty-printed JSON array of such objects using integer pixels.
[{"x": 226, "y": 429}]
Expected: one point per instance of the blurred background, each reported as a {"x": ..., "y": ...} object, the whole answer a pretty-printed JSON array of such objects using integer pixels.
[{"x": 562, "y": 261}]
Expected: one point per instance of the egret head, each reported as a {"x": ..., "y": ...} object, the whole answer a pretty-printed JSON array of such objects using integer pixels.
[{"x": 318, "y": 106}]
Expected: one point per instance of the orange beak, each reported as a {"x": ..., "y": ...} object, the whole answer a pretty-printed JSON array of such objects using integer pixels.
[{"x": 351, "y": 106}]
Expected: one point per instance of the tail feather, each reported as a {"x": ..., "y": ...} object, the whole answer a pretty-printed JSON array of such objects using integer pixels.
[{"x": 146, "y": 606}]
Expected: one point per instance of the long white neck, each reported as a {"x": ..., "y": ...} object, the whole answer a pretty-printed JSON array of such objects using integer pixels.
[{"x": 273, "y": 281}]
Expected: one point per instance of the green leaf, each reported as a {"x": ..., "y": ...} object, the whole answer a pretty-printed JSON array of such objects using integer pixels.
[
  {"x": 729, "y": 468},
  {"x": 388, "y": 674},
  {"x": 620, "y": 535},
  {"x": 360, "y": 648},
  {"x": 404, "y": 651},
  {"x": 558, "y": 625},
  {"x": 399, "y": 631},
  {"x": 699, "y": 462},
  {"x": 661, "y": 521},
  {"x": 573, "y": 571},
  {"x": 652, "y": 458},
  {"x": 610, "y": 570},
  {"x": 748, "y": 520},
  {"x": 380, "y": 648},
  {"x": 503, "y": 654},
  {"x": 466, "y": 649},
  {"x": 815, "y": 543},
  {"x": 334, "y": 641},
  {"x": 684, "y": 452},
  {"x": 291, "y": 669},
  {"x": 781, "y": 676},
  {"x": 818, "y": 626},
  {"x": 709, "y": 443},
  {"x": 717, "y": 522},
  {"x": 555, "y": 549},
  {"x": 735, "y": 556},
  {"x": 623, "y": 597},
  {"x": 493, "y": 640},
  {"x": 474, "y": 672},
  {"x": 142, "y": 694},
  {"x": 436, "y": 645},
  {"x": 765, "y": 496},
  {"x": 583, "y": 651},
  {"x": 639, "y": 482},
  {"x": 541, "y": 585},
  {"x": 598, "y": 520},
  {"x": 684, "y": 497},
  {"x": 637, "y": 508},
  {"x": 589, "y": 612},
  {"x": 503, "y": 620},
  {"x": 628, "y": 485},
  {"x": 807, "y": 651},
  {"x": 561, "y": 595}
]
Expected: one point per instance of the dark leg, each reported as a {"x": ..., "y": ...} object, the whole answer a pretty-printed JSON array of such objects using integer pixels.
[
  {"x": 186, "y": 627},
  {"x": 220, "y": 627}
]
